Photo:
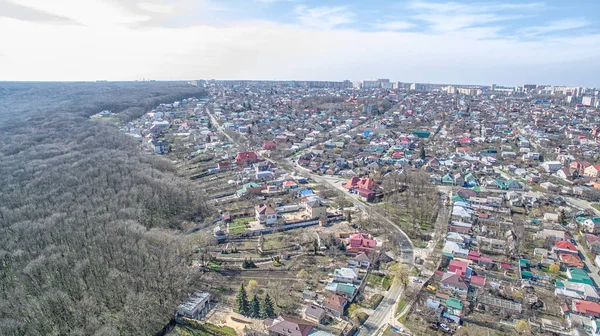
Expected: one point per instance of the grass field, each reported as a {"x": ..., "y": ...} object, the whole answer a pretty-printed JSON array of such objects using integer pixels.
[
  {"x": 240, "y": 225},
  {"x": 380, "y": 281}
]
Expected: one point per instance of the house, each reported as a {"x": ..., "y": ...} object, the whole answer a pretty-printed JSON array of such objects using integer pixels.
[
  {"x": 286, "y": 326},
  {"x": 346, "y": 290},
  {"x": 360, "y": 242},
  {"x": 455, "y": 282},
  {"x": 366, "y": 194},
  {"x": 315, "y": 209},
  {"x": 593, "y": 243},
  {"x": 555, "y": 235},
  {"x": 564, "y": 246},
  {"x": 289, "y": 184},
  {"x": 458, "y": 267},
  {"x": 591, "y": 225},
  {"x": 160, "y": 146},
  {"x": 576, "y": 290},
  {"x": 592, "y": 171},
  {"x": 346, "y": 275},
  {"x": 224, "y": 165},
  {"x": 269, "y": 145},
  {"x": 570, "y": 260},
  {"x": 250, "y": 188},
  {"x": 578, "y": 275},
  {"x": 552, "y": 166},
  {"x": 361, "y": 183},
  {"x": 454, "y": 307},
  {"x": 265, "y": 214},
  {"x": 360, "y": 260},
  {"x": 335, "y": 304},
  {"x": 244, "y": 159},
  {"x": 585, "y": 308},
  {"x": 196, "y": 307},
  {"x": 314, "y": 313}
]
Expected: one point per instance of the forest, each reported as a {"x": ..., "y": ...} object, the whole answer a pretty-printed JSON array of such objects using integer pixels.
[{"x": 90, "y": 227}]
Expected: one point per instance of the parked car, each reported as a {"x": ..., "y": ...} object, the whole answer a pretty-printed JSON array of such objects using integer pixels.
[
  {"x": 444, "y": 326},
  {"x": 397, "y": 329}
]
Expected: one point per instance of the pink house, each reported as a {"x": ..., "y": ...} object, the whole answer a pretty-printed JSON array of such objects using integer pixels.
[
  {"x": 458, "y": 267},
  {"x": 359, "y": 242}
]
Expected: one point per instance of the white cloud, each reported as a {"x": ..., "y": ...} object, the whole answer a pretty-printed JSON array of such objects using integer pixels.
[
  {"x": 156, "y": 7},
  {"x": 443, "y": 17},
  {"x": 556, "y": 26},
  {"x": 108, "y": 47},
  {"x": 394, "y": 25},
  {"x": 324, "y": 17}
]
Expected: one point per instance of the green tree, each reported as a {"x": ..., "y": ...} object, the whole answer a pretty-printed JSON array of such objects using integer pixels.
[
  {"x": 422, "y": 153},
  {"x": 349, "y": 218},
  {"x": 400, "y": 272},
  {"x": 252, "y": 286},
  {"x": 304, "y": 274},
  {"x": 315, "y": 246},
  {"x": 562, "y": 218},
  {"x": 255, "y": 307},
  {"x": 242, "y": 301},
  {"x": 267, "y": 307},
  {"x": 522, "y": 327}
]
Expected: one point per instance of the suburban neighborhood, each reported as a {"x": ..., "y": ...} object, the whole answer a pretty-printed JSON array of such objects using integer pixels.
[{"x": 401, "y": 208}]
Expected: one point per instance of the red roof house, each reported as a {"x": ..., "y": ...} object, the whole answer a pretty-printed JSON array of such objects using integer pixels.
[
  {"x": 269, "y": 145},
  {"x": 246, "y": 158},
  {"x": 362, "y": 182},
  {"x": 359, "y": 242},
  {"x": 285, "y": 326},
  {"x": 571, "y": 260},
  {"x": 586, "y": 308},
  {"x": 564, "y": 246},
  {"x": 458, "y": 267}
]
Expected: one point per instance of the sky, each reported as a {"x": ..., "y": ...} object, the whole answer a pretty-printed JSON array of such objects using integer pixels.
[{"x": 506, "y": 42}]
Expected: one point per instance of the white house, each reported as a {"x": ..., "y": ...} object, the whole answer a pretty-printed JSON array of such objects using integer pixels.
[
  {"x": 552, "y": 166},
  {"x": 265, "y": 214},
  {"x": 346, "y": 275}
]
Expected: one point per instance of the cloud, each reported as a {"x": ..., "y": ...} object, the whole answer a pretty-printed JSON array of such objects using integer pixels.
[
  {"x": 394, "y": 25},
  {"x": 109, "y": 46},
  {"x": 16, "y": 11},
  {"x": 446, "y": 17},
  {"x": 323, "y": 17},
  {"x": 156, "y": 7},
  {"x": 556, "y": 26}
]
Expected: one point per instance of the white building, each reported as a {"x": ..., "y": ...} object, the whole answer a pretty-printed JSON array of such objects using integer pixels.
[
  {"x": 196, "y": 307},
  {"x": 552, "y": 166}
]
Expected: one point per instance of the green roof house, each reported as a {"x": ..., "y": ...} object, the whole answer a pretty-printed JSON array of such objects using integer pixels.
[{"x": 580, "y": 276}]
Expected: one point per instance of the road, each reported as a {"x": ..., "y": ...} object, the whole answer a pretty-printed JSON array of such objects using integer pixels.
[
  {"x": 384, "y": 313},
  {"x": 214, "y": 122}
]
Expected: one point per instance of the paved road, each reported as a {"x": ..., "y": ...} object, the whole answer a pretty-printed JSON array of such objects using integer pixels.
[
  {"x": 385, "y": 311},
  {"x": 214, "y": 123}
]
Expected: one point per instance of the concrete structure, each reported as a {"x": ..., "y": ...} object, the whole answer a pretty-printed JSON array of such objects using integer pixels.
[
  {"x": 315, "y": 209},
  {"x": 196, "y": 307}
]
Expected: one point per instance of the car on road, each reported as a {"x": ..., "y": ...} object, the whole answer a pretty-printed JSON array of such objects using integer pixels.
[
  {"x": 417, "y": 280},
  {"x": 397, "y": 329}
]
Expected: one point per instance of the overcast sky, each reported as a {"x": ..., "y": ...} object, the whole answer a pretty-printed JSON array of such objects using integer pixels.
[{"x": 464, "y": 42}]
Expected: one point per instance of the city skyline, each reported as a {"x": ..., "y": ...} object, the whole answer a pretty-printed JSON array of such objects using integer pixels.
[{"x": 457, "y": 42}]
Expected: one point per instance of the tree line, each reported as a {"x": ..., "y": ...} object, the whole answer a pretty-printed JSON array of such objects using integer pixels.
[{"x": 89, "y": 226}]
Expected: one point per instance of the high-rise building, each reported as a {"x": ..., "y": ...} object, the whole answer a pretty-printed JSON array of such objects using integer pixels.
[
  {"x": 417, "y": 87},
  {"x": 371, "y": 84},
  {"x": 387, "y": 85},
  {"x": 587, "y": 100}
]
